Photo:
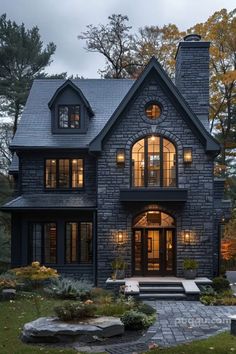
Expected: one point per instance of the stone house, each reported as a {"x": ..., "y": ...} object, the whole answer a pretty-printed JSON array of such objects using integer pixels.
[{"x": 119, "y": 168}]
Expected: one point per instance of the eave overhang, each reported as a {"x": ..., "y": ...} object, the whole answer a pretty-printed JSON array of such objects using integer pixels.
[{"x": 178, "y": 195}]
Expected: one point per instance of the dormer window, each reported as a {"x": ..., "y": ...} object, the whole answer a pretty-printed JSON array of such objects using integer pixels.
[
  {"x": 70, "y": 110},
  {"x": 69, "y": 116}
]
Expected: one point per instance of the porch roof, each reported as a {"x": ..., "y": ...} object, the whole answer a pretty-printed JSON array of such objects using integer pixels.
[{"x": 52, "y": 201}]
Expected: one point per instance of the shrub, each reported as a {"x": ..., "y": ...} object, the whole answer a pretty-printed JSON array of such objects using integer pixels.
[
  {"x": 146, "y": 309},
  {"x": 7, "y": 283},
  {"x": 66, "y": 288},
  {"x": 207, "y": 290},
  {"x": 220, "y": 284},
  {"x": 75, "y": 311},
  {"x": 102, "y": 295},
  {"x": 135, "y": 320},
  {"x": 208, "y": 300},
  {"x": 114, "y": 309},
  {"x": 34, "y": 273},
  {"x": 190, "y": 264}
]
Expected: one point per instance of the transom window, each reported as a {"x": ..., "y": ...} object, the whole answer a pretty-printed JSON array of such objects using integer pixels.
[
  {"x": 78, "y": 242},
  {"x": 69, "y": 116},
  {"x": 153, "y": 111},
  {"x": 43, "y": 242},
  {"x": 153, "y": 219},
  {"x": 154, "y": 163},
  {"x": 64, "y": 173}
]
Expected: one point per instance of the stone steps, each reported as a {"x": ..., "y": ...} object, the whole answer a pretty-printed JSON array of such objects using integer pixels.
[{"x": 161, "y": 290}]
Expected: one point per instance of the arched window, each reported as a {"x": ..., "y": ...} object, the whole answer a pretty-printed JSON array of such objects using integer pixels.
[{"x": 154, "y": 162}]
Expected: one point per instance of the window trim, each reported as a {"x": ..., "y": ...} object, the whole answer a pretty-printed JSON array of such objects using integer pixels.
[
  {"x": 146, "y": 160},
  {"x": 78, "y": 242},
  {"x": 69, "y": 121},
  {"x": 30, "y": 243},
  {"x": 70, "y": 188}
]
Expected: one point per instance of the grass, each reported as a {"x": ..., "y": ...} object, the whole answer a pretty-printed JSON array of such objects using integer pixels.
[
  {"x": 13, "y": 315},
  {"x": 223, "y": 343}
]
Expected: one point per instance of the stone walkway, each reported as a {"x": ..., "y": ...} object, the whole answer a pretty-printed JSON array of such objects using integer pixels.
[{"x": 177, "y": 322}]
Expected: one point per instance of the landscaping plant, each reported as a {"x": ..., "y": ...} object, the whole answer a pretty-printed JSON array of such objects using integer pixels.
[
  {"x": 72, "y": 311},
  {"x": 34, "y": 273},
  {"x": 135, "y": 320},
  {"x": 220, "y": 284},
  {"x": 67, "y": 288}
]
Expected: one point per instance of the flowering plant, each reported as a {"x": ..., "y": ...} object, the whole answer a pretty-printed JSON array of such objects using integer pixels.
[{"x": 35, "y": 272}]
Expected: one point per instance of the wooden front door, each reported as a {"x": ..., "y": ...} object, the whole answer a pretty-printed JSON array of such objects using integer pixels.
[{"x": 153, "y": 252}]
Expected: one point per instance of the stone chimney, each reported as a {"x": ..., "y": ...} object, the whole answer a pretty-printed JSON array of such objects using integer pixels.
[{"x": 192, "y": 74}]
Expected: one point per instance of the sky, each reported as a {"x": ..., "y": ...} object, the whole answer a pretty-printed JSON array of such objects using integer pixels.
[{"x": 61, "y": 21}]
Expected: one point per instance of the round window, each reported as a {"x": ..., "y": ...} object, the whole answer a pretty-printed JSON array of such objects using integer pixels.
[{"x": 153, "y": 111}]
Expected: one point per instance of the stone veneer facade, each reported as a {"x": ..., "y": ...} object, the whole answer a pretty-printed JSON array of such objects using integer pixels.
[{"x": 196, "y": 215}]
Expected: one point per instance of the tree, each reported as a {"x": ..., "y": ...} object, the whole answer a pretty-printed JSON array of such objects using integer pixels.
[
  {"x": 160, "y": 42},
  {"x": 113, "y": 42},
  {"x": 6, "y": 133},
  {"x": 220, "y": 30},
  {"x": 22, "y": 58}
]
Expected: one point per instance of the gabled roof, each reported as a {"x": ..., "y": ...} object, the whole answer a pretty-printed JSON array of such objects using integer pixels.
[
  {"x": 34, "y": 130},
  {"x": 210, "y": 144},
  {"x": 69, "y": 83}
]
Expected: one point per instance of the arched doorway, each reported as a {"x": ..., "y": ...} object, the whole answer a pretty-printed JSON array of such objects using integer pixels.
[{"x": 153, "y": 244}]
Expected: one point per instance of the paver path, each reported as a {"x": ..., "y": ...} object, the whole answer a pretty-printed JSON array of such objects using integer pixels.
[{"x": 177, "y": 322}]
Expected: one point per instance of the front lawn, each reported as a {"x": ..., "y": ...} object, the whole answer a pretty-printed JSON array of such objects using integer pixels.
[
  {"x": 13, "y": 315},
  {"x": 223, "y": 343}
]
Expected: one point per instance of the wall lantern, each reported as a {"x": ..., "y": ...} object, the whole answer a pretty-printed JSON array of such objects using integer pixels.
[
  {"x": 187, "y": 237},
  {"x": 188, "y": 156},
  {"x": 120, "y": 157},
  {"x": 120, "y": 237}
]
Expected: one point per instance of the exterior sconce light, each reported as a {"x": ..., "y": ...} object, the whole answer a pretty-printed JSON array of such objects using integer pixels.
[
  {"x": 120, "y": 237},
  {"x": 120, "y": 157},
  {"x": 187, "y": 237},
  {"x": 188, "y": 156}
]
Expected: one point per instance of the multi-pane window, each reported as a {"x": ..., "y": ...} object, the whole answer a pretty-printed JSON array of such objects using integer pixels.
[
  {"x": 64, "y": 173},
  {"x": 154, "y": 163},
  {"x": 153, "y": 111},
  {"x": 69, "y": 116},
  {"x": 43, "y": 242},
  {"x": 78, "y": 241}
]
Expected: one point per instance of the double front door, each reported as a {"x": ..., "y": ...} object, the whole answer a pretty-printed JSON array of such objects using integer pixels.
[{"x": 153, "y": 252}]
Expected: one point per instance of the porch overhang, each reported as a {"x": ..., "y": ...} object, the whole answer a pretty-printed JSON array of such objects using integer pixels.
[{"x": 179, "y": 195}]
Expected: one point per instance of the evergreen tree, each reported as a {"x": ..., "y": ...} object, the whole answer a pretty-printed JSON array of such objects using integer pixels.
[{"x": 22, "y": 58}]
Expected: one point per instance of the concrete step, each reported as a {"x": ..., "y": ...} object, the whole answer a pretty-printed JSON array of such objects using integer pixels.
[
  {"x": 159, "y": 283},
  {"x": 163, "y": 296},
  {"x": 165, "y": 289}
]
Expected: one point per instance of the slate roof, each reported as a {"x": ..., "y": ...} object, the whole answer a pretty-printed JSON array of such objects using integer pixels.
[
  {"x": 53, "y": 200},
  {"x": 34, "y": 129}
]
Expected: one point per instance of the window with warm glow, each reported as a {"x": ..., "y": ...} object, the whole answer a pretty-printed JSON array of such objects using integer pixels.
[
  {"x": 69, "y": 116},
  {"x": 154, "y": 162},
  {"x": 153, "y": 111},
  {"x": 43, "y": 242},
  {"x": 78, "y": 241},
  {"x": 64, "y": 173}
]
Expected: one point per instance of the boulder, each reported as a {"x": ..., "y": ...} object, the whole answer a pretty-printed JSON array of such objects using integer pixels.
[
  {"x": 52, "y": 330},
  {"x": 8, "y": 294}
]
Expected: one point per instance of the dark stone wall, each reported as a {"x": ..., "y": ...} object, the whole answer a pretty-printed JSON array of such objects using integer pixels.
[
  {"x": 192, "y": 77},
  {"x": 32, "y": 171},
  {"x": 196, "y": 215}
]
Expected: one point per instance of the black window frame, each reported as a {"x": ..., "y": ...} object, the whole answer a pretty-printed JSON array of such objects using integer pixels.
[
  {"x": 145, "y": 138},
  {"x": 30, "y": 243},
  {"x": 78, "y": 222},
  {"x": 58, "y": 188},
  {"x": 70, "y": 106}
]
